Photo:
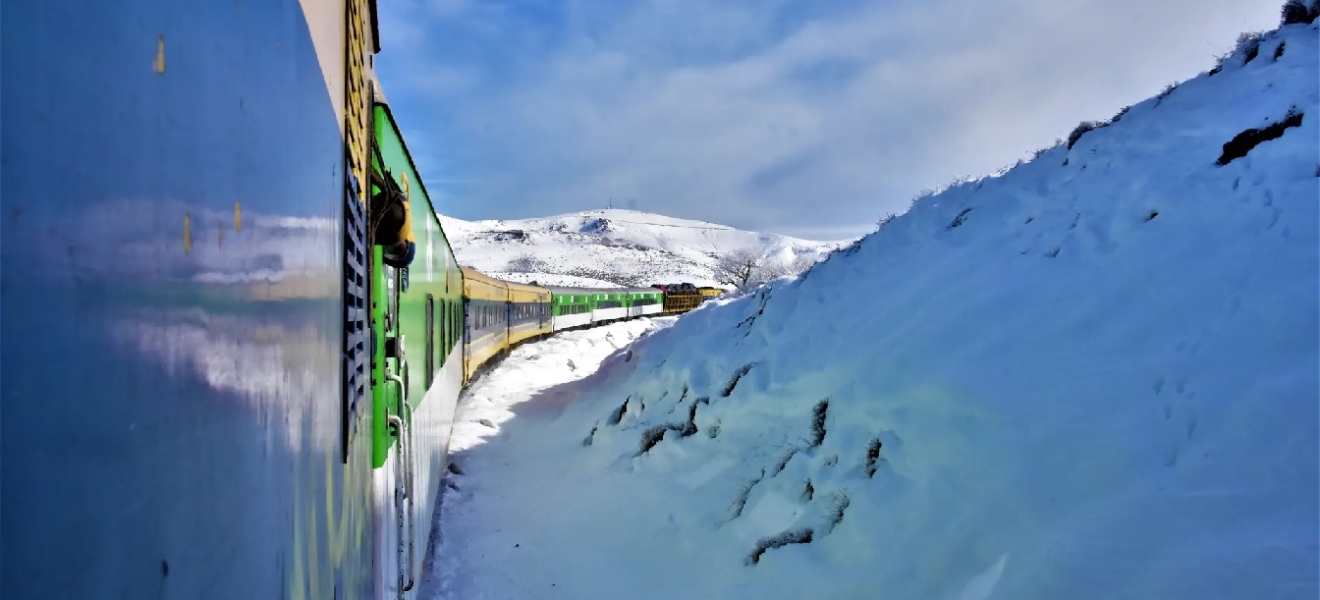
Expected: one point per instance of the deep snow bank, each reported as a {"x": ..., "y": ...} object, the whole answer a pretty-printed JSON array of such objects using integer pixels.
[{"x": 1094, "y": 376}]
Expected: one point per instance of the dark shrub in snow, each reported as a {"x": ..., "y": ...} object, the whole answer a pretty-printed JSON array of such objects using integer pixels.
[
  {"x": 1243, "y": 142},
  {"x": 1081, "y": 130},
  {"x": 1295, "y": 11}
]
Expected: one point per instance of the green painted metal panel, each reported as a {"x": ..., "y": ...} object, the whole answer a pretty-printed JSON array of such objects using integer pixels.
[{"x": 434, "y": 271}]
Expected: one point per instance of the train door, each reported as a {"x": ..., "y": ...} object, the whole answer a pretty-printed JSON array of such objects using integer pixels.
[
  {"x": 465, "y": 335},
  {"x": 391, "y": 406}
]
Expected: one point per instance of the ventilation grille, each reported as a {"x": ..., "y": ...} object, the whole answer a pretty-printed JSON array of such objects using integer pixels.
[
  {"x": 357, "y": 303},
  {"x": 357, "y": 342}
]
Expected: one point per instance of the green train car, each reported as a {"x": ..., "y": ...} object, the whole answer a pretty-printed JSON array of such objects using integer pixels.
[{"x": 218, "y": 384}]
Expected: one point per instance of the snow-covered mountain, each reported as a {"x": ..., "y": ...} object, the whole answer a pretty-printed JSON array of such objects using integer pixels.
[
  {"x": 1092, "y": 376},
  {"x": 611, "y": 247}
]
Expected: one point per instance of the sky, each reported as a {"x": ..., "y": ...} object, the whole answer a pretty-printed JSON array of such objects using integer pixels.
[{"x": 798, "y": 117}]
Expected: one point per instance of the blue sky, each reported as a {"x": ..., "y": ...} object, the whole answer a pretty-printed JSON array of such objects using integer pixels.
[{"x": 806, "y": 118}]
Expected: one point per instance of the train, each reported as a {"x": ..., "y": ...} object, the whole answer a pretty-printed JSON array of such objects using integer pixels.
[{"x": 222, "y": 378}]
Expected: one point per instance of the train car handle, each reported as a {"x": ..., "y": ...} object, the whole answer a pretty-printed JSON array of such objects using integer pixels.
[{"x": 404, "y": 489}]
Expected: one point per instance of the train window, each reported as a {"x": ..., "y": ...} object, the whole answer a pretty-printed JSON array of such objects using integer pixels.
[
  {"x": 443, "y": 335},
  {"x": 430, "y": 340}
]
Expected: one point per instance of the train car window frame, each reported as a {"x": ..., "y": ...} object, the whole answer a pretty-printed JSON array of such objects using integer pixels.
[
  {"x": 443, "y": 334},
  {"x": 430, "y": 340}
]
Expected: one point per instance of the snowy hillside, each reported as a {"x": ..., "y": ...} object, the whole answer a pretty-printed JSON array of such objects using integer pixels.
[
  {"x": 1093, "y": 376},
  {"x": 623, "y": 247}
]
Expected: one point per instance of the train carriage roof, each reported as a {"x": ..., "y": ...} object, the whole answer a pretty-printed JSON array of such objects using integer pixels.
[
  {"x": 478, "y": 286},
  {"x": 572, "y": 291},
  {"x": 523, "y": 287}
]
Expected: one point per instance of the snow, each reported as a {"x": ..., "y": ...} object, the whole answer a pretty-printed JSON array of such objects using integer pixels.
[
  {"x": 1087, "y": 380},
  {"x": 553, "y": 280},
  {"x": 623, "y": 247},
  {"x": 531, "y": 368}
]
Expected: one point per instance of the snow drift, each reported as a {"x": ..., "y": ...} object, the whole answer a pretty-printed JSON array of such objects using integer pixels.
[{"x": 1093, "y": 376}]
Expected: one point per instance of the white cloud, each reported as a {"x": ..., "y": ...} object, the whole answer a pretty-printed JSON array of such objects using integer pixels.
[{"x": 759, "y": 118}]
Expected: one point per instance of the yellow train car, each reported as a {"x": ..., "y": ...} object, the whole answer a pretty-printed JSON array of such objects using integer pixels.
[
  {"x": 709, "y": 292},
  {"x": 529, "y": 312},
  {"x": 681, "y": 302},
  {"x": 486, "y": 320}
]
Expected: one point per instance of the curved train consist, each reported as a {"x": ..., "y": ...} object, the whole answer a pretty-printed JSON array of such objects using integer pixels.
[{"x": 215, "y": 384}]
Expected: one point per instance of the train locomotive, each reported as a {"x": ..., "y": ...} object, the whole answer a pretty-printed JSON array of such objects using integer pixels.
[{"x": 223, "y": 377}]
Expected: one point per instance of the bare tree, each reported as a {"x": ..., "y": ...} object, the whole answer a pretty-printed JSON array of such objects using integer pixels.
[
  {"x": 739, "y": 268},
  {"x": 746, "y": 268},
  {"x": 802, "y": 262}
]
